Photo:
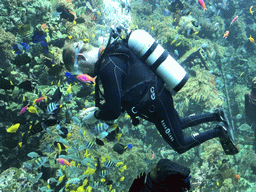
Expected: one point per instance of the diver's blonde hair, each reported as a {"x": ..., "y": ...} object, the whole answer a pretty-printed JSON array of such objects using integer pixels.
[{"x": 68, "y": 54}]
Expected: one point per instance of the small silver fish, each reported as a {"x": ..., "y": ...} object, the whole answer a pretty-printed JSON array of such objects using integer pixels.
[{"x": 56, "y": 14}]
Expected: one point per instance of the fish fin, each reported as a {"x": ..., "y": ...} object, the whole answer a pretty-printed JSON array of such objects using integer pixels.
[{"x": 93, "y": 80}]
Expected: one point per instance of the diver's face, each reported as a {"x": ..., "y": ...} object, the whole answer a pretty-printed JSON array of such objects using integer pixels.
[{"x": 87, "y": 60}]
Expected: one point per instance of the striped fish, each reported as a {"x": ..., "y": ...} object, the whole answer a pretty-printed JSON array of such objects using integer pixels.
[
  {"x": 52, "y": 107},
  {"x": 99, "y": 128},
  {"x": 109, "y": 164},
  {"x": 104, "y": 173},
  {"x": 87, "y": 145}
]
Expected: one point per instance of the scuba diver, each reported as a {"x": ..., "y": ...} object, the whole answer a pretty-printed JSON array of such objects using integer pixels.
[
  {"x": 125, "y": 69},
  {"x": 165, "y": 176},
  {"x": 250, "y": 109}
]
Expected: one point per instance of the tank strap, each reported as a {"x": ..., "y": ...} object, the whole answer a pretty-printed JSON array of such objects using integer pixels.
[{"x": 159, "y": 61}]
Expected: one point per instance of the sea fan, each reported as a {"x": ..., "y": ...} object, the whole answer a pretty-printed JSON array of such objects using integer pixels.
[{"x": 52, "y": 107}]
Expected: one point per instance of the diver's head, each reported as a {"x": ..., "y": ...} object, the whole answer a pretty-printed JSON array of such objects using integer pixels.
[{"x": 80, "y": 58}]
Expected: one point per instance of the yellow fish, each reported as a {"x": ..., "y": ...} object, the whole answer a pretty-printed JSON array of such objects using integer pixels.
[
  {"x": 70, "y": 37},
  {"x": 241, "y": 74},
  {"x": 69, "y": 89},
  {"x": 196, "y": 32},
  {"x": 74, "y": 22},
  {"x": 127, "y": 116},
  {"x": 173, "y": 41},
  {"x": 13, "y": 128},
  {"x": 86, "y": 40},
  {"x": 251, "y": 11},
  {"x": 118, "y": 136},
  {"x": 122, "y": 178},
  {"x": 178, "y": 44},
  {"x": 59, "y": 147},
  {"x": 32, "y": 109},
  {"x": 58, "y": 83},
  {"x": 251, "y": 39}
]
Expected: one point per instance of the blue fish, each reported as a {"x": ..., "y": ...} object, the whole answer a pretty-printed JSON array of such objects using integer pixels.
[
  {"x": 45, "y": 46},
  {"x": 21, "y": 48},
  {"x": 38, "y": 36},
  {"x": 70, "y": 78},
  {"x": 166, "y": 12}
]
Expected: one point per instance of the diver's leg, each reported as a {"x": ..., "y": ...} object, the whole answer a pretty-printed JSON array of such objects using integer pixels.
[
  {"x": 197, "y": 119},
  {"x": 168, "y": 124}
]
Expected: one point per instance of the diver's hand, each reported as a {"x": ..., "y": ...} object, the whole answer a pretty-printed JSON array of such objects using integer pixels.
[
  {"x": 90, "y": 118},
  {"x": 88, "y": 115},
  {"x": 87, "y": 111}
]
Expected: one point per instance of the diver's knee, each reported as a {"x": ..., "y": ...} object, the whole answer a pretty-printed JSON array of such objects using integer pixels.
[{"x": 180, "y": 150}]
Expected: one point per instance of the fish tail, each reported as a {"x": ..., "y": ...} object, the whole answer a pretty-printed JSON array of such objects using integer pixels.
[{"x": 93, "y": 80}]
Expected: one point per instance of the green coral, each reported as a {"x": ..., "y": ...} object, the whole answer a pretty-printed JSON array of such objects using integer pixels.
[
  {"x": 198, "y": 93},
  {"x": 227, "y": 185}
]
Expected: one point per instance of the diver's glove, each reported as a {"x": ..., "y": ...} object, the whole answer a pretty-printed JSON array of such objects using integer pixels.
[{"x": 89, "y": 115}]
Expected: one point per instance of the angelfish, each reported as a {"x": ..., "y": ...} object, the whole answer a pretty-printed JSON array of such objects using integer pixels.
[
  {"x": 233, "y": 20},
  {"x": 202, "y": 4},
  {"x": 85, "y": 78}
]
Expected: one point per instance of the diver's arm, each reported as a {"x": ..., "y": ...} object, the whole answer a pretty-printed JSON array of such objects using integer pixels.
[{"x": 112, "y": 73}]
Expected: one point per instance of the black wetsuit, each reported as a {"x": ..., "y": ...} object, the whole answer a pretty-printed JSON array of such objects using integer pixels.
[{"x": 129, "y": 84}]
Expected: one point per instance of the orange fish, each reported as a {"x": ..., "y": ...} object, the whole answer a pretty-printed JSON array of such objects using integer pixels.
[
  {"x": 63, "y": 162},
  {"x": 202, "y": 4},
  {"x": 43, "y": 26},
  {"x": 23, "y": 110},
  {"x": 39, "y": 100},
  {"x": 233, "y": 20},
  {"x": 226, "y": 34},
  {"x": 85, "y": 78},
  {"x": 251, "y": 39},
  {"x": 237, "y": 176}
]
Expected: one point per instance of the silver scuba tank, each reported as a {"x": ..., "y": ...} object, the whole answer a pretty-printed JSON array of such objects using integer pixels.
[{"x": 158, "y": 59}]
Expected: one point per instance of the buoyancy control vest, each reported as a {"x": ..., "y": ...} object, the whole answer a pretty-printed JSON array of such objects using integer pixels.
[{"x": 139, "y": 76}]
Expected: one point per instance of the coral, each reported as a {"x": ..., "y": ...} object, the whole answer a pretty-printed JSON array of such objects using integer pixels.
[
  {"x": 7, "y": 39},
  {"x": 227, "y": 185},
  {"x": 211, "y": 151},
  {"x": 198, "y": 93},
  {"x": 239, "y": 91}
]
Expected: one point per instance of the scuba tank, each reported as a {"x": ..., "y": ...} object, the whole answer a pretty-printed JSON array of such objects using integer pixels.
[
  {"x": 158, "y": 59},
  {"x": 154, "y": 56}
]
